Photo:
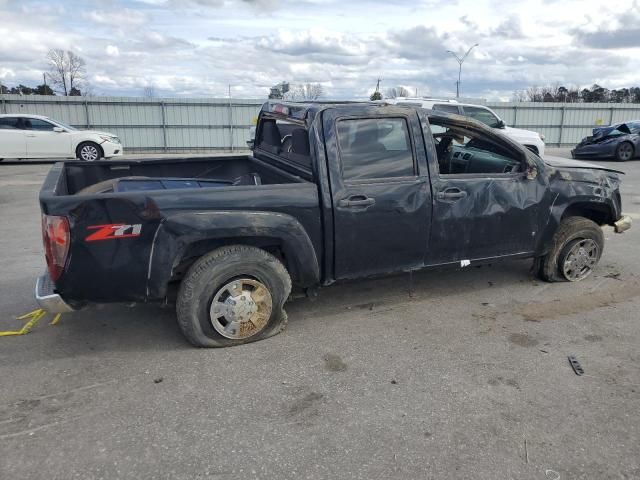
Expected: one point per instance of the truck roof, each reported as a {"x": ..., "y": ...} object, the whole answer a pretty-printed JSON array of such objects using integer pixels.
[
  {"x": 306, "y": 111},
  {"x": 23, "y": 115}
]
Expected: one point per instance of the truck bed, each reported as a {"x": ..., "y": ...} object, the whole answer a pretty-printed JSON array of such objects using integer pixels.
[
  {"x": 168, "y": 227},
  {"x": 79, "y": 177}
]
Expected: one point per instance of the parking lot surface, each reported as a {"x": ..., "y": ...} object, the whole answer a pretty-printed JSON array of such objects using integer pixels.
[{"x": 448, "y": 374}]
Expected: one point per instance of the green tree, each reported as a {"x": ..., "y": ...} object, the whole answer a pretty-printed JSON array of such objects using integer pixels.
[
  {"x": 43, "y": 89},
  {"x": 375, "y": 96}
]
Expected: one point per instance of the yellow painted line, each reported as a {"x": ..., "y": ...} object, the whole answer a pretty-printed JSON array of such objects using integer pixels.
[
  {"x": 30, "y": 314},
  {"x": 56, "y": 319},
  {"x": 35, "y": 316}
]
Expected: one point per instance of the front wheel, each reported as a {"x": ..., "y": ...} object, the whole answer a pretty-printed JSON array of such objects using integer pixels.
[
  {"x": 233, "y": 295},
  {"x": 624, "y": 152},
  {"x": 89, "y": 152},
  {"x": 575, "y": 251}
]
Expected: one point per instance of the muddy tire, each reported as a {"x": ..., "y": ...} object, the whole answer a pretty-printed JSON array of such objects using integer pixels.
[
  {"x": 624, "y": 152},
  {"x": 575, "y": 250},
  {"x": 233, "y": 295}
]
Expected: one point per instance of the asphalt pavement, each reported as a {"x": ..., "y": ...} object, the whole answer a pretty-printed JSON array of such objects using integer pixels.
[{"x": 459, "y": 374}]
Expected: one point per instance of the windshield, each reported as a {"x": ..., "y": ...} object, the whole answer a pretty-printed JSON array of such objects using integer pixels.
[
  {"x": 482, "y": 115},
  {"x": 64, "y": 125}
]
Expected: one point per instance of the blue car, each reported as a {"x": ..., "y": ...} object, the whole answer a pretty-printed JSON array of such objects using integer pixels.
[{"x": 620, "y": 141}]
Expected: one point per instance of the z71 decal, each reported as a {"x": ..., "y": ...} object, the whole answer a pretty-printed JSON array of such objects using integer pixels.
[{"x": 114, "y": 231}]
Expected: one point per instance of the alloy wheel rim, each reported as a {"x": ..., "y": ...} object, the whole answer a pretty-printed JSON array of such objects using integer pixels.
[
  {"x": 241, "y": 309},
  {"x": 625, "y": 151},
  {"x": 89, "y": 153},
  {"x": 580, "y": 260}
]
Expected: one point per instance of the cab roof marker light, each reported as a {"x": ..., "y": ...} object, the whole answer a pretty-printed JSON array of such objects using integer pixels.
[{"x": 278, "y": 108}]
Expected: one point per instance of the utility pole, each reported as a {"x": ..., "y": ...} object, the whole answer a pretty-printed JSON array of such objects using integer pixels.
[
  {"x": 460, "y": 62},
  {"x": 378, "y": 86}
]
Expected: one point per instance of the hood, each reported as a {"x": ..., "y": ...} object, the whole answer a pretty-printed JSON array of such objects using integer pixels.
[
  {"x": 95, "y": 132},
  {"x": 559, "y": 162},
  {"x": 521, "y": 133}
]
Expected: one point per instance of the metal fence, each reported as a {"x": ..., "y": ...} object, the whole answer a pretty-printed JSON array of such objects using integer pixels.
[
  {"x": 150, "y": 124},
  {"x": 201, "y": 124}
]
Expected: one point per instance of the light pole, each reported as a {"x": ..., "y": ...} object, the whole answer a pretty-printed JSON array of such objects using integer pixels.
[{"x": 460, "y": 61}]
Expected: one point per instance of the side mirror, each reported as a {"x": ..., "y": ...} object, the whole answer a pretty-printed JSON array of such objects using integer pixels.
[
  {"x": 59, "y": 129},
  {"x": 501, "y": 124}
]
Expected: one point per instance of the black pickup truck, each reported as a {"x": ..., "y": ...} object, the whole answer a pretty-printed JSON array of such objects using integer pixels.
[{"x": 331, "y": 191}]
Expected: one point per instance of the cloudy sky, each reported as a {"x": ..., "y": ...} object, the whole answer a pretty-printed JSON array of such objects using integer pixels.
[{"x": 199, "y": 47}]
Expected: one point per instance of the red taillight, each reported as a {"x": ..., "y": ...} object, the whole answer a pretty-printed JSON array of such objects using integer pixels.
[{"x": 56, "y": 239}]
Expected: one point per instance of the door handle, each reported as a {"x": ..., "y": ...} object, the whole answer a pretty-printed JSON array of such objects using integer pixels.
[
  {"x": 31, "y": 134},
  {"x": 356, "y": 201},
  {"x": 451, "y": 194}
]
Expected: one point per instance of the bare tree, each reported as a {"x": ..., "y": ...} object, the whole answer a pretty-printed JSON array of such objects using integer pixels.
[
  {"x": 149, "y": 91},
  {"x": 58, "y": 70},
  {"x": 66, "y": 71},
  {"x": 519, "y": 96},
  {"x": 307, "y": 91},
  {"x": 311, "y": 91},
  {"x": 398, "y": 92}
]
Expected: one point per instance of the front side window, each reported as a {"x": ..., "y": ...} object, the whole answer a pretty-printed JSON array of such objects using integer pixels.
[
  {"x": 375, "y": 148},
  {"x": 482, "y": 115},
  {"x": 37, "y": 124},
  {"x": 9, "y": 123},
  {"x": 462, "y": 150}
]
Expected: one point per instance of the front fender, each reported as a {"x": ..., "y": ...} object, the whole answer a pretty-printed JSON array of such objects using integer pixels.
[{"x": 178, "y": 232}]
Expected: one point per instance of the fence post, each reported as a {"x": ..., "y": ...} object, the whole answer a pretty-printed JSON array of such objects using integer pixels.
[
  {"x": 86, "y": 112},
  {"x": 230, "y": 123},
  {"x": 515, "y": 115},
  {"x": 562, "y": 109},
  {"x": 611, "y": 116},
  {"x": 4, "y": 104},
  {"x": 164, "y": 127}
]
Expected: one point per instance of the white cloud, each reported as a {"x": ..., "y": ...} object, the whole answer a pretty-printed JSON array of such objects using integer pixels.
[
  {"x": 118, "y": 18},
  {"x": 199, "y": 47},
  {"x": 112, "y": 51}
]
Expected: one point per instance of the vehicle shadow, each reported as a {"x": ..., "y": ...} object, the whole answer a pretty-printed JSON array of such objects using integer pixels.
[{"x": 148, "y": 327}]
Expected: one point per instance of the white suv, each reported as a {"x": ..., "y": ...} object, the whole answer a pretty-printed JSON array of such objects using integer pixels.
[
  {"x": 534, "y": 141},
  {"x": 35, "y": 136}
]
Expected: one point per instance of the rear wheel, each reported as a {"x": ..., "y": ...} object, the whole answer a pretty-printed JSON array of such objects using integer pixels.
[
  {"x": 89, "y": 152},
  {"x": 233, "y": 295},
  {"x": 575, "y": 251},
  {"x": 624, "y": 152}
]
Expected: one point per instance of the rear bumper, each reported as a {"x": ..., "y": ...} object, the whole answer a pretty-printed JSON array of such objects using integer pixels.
[
  {"x": 47, "y": 298},
  {"x": 623, "y": 224}
]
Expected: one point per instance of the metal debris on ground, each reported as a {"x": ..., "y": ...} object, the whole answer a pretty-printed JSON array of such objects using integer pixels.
[{"x": 575, "y": 364}]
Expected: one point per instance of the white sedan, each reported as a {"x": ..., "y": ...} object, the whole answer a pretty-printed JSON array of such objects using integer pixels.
[{"x": 35, "y": 136}]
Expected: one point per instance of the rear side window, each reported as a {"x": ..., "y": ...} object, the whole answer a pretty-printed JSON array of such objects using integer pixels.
[
  {"x": 286, "y": 139},
  {"x": 375, "y": 148},
  {"x": 9, "y": 123},
  {"x": 446, "y": 108},
  {"x": 37, "y": 124}
]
